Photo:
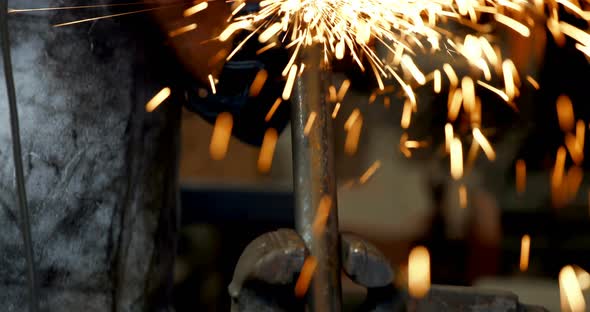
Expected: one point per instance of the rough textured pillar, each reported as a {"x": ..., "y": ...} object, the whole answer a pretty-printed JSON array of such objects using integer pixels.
[{"x": 100, "y": 171}]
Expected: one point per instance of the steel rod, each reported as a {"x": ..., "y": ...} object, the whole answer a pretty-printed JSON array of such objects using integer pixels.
[
  {"x": 314, "y": 178},
  {"x": 18, "y": 161}
]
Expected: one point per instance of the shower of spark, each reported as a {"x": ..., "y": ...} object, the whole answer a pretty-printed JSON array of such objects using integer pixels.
[{"x": 406, "y": 29}]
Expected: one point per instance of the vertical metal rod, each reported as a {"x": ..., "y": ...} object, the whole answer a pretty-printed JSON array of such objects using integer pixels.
[
  {"x": 17, "y": 154},
  {"x": 314, "y": 178}
]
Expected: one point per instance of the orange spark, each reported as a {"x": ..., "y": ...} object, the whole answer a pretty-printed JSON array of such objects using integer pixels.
[
  {"x": 212, "y": 83},
  {"x": 322, "y": 214},
  {"x": 352, "y": 137},
  {"x": 525, "y": 247},
  {"x": 181, "y": 30},
  {"x": 580, "y": 134},
  {"x": 571, "y": 293},
  {"x": 484, "y": 143},
  {"x": 573, "y": 180},
  {"x": 238, "y": 8},
  {"x": 370, "y": 172},
  {"x": 513, "y": 24},
  {"x": 372, "y": 98},
  {"x": 273, "y": 109},
  {"x": 332, "y": 95},
  {"x": 108, "y": 16},
  {"x": 218, "y": 57},
  {"x": 195, "y": 9},
  {"x": 437, "y": 81},
  {"x": 507, "y": 66},
  {"x": 462, "y": 196},
  {"x": 520, "y": 176},
  {"x": 559, "y": 168},
  {"x": 269, "y": 32},
  {"x": 455, "y": 100},
  {"x": 266, "y": 48},
  {"x": 573, "y": 147},
  {"x": 290, "y": 81},
  {"x": 448, "y": 137},
  {"x": 456, "y": 159},
  {"x": 336, "y": 110},
  {"x": 221, "y": 135},
  {"x": 419, "y": 272},
  {"x": 258, "y": 82},
  {"x": 565, "y": 113},
  {"x": 468, "y": 89},
  {"x": 157, "y": 100},
  {"x": 406, "y": 115},
  {"x": 343, "y": 89},
  {"x": 305, "y": 276},
  {"x": 533, "y": 82},
  {"x": 448, "y": 69},
  {"x": 356, "y": 113},
  {"x": 387, "y": 102},
  {"x": 267, "y": 150},
  {"x": 408, "y": 64},
  {"x": 309, "y": 123}
]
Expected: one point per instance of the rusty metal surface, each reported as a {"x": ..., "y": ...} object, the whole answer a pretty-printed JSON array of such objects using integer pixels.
[{"x": 314, "y": 178}]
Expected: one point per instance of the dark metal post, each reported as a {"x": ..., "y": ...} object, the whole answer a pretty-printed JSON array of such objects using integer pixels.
[
  {"x": 18, "y": 160},
  {"x": 314, "y": 178}
]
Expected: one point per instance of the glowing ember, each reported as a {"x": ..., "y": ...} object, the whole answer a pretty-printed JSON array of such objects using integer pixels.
[
  {"x": 520, "y": 176},
  {"x": 448, "y": 137},
  {"x": 571, "y": 294},
  {"x": 336, "y": 110},
  {"x": 322, "y": 214},
  {"x": 212, "y": 83},
  {"x": 485, "y": 145},
  {"x": 456, "y": 159},
  {"x": 356, "y": 113},
  {"x": 533, "y": 82},
  {"x": 525, "y": 247},
  {"x": 195, "y": 9},
  {"x": 290, "y": 81},
  {"x": 352, "y": 137},
  {"x": 181, "y": 30},
  {"x": 305, "y": 276},
  {"x": 462, "y": 196},
  {"x": 273, "y": 109},
  {"x": 419, "y": 272},
  {"x": 583, "y": 277},
  {"x": 343, "y": 89},
  {"x": 370, "y": 172},
  {"x": 406, "y": 115},
  {"x": 309, "y": 123},
  {"x": 221, "y": 135},
  {"x": 258, "y": 82},
  {"x": 157, "y": 100},
  {"x": 565, "y": 113},
  {"x": 267, "y": 150}
]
